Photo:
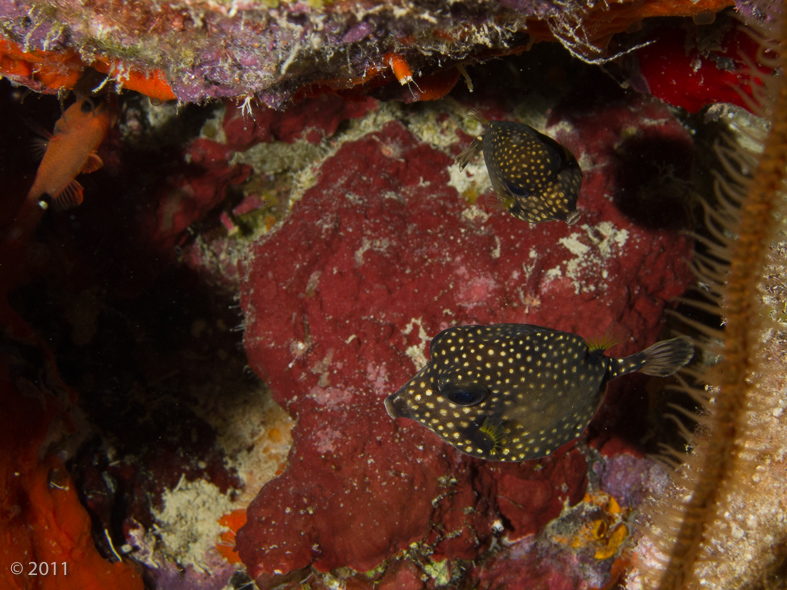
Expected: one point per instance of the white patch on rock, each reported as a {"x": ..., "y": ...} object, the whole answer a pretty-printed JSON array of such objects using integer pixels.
[
  {"x": 573, "y": 244},
  {"x": 161, "y": 114},
  {"x": 475, "y": 213},
  {"x": 188, "y": 523},
  {"x": 430, "y": 126},
  {"x": 277, "y": 157},
  {"x": 553, "y": 273},
  {"x": 417, "y": 353},
  {"x": 212, "y": 128},
  {"x": 496, "y": 250},
  {"x": 379, "y": 244},
  {"x": 613, "y": 239},
  {"x": 327, "y": 441},
  {"x": 592, "y": 248},
  {"x": 330, "y": 397},
  {"x": 562, "y": 126},
  {"x": 472, "y": 180},
  {"x": 377, "y": 376}
]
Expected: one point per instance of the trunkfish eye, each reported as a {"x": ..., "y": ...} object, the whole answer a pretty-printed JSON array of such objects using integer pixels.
[{"x": 465, "y": 394}]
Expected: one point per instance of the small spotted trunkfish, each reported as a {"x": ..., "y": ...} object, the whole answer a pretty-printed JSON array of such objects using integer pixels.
[
  {"x": 513, "y": 392},
  {"x": 536, "y": 178}
]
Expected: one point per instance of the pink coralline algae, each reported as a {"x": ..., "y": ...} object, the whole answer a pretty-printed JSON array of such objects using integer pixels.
[
  {"x": 528, "y": 565},
  {"x": 312, "y": 118},
  {"x": 526, "y": 496},
  {"x": 376, "y": 258}
]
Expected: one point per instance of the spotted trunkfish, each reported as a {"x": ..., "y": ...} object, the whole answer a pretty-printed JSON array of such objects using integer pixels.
[
  {"x": 535, "y": 178},
  {"x": 513, "y": 392}
]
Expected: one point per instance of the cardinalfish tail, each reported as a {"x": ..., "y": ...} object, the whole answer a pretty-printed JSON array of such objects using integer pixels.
[{"x": 68, "y": 198}]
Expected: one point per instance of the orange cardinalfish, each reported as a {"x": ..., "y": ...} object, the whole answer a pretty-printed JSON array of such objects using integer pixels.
[{"x": 71, "y": 150}]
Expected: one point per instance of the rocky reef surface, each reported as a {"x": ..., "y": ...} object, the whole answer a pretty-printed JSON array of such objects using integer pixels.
[
  {"x": 194, "y": 360},
  {"x": 274, "y": 51},
  {"x": 379, "y": 262}
]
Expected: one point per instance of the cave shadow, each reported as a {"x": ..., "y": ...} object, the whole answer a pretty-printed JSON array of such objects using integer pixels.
[{"x": 653, "y": 183}]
